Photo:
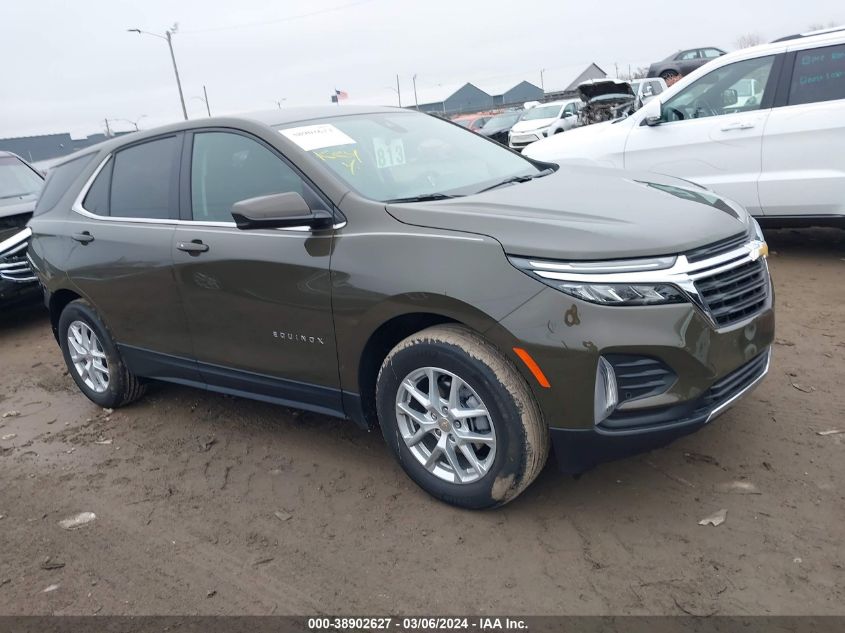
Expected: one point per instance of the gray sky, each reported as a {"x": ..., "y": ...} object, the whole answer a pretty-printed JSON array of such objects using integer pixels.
[{"x": 68, "y": 65}]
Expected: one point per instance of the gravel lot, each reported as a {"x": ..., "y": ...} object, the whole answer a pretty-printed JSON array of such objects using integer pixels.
[{"x": 186, "y": 486}]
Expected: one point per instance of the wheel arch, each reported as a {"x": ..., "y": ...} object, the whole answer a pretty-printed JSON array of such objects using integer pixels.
[{"x": 59, "y": 299}]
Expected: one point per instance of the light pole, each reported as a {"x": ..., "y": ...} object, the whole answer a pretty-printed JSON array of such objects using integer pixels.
[
  {"x": 204, "y": 99},
  {"x": 416, "y": 102},
  {"x": 542, "y": 82},
  {"x": 167, "y": 37}
]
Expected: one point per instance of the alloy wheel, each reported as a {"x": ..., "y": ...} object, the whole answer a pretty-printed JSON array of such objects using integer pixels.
[
  {"x": 88, "y": 356},
  {"x": 445, "y": 425}
]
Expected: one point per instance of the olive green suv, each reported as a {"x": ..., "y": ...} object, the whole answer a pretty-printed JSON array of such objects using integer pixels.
[{"x": 395, "y": 269}]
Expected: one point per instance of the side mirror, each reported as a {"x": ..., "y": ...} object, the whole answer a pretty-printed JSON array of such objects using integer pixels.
[
  {"x": 729, "y": 97},
  {"x": 653, "y": 113},
  {"x": 279, "y": 211},
  {"x": 566, "y": 115}
]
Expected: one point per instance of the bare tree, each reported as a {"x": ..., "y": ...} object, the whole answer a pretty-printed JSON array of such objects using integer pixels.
[
  {"x": 818, "y": 26},
  {"x": 749, "y": 39},
  {"x": 636, "y": 73}
]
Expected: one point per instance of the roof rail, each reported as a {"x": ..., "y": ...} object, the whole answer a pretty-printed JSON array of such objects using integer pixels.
[{"x": 799, "y": 36}]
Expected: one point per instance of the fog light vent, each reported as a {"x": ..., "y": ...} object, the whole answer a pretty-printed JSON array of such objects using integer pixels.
[{"x": 606, "y": 396}]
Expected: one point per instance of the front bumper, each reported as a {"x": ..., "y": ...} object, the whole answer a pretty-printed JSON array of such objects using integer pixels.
[
  {"x": 524, "y": 139},
  {"x": 16, "y": 276},
  {"x": 700, "y": 369},
  {"x": 578, "y": 450}
]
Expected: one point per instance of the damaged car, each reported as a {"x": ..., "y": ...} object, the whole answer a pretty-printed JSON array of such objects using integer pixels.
[
  {"x": 20, "y": 185},
  {"x": 605, "y": 100}
]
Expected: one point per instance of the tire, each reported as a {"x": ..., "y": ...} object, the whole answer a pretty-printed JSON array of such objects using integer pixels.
[
  {"x": 669, "y": 75},
  {"x": 121, "y": 386},
  {"x": 515, "y": 446}
]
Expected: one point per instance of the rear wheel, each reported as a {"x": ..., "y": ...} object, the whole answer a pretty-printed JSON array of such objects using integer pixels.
[
  {"x": 459, "y": 418},
  {"x": 93, "y": 359},
  {"x": 670, "y": 76}
]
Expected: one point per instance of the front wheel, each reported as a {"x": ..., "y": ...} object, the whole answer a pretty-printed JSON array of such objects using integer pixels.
[{"x": 459, "y": 418}]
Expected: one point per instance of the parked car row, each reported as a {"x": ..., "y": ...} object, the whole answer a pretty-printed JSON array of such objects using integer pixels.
[{"x": 764, "y": 126}]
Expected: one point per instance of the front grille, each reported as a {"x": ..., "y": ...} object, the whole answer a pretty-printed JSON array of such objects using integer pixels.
[
  {"x": 14, "y": 265},
  {"x": 717, "y": 248},
  {"x": 735, "y": 294},
  {"x": 640, "y": 376}
]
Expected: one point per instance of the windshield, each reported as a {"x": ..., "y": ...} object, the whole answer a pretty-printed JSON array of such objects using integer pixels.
[
  {"x": 16, "y": 179},
  {"x": 635, "y": 87},
  {"x": 501, "y": 120},
  {"x": 541, "y": 112},
  {"x": 391, "y": 156}
]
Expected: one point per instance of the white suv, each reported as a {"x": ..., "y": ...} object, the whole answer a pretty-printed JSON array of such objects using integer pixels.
[
  {"x": 536, "y": 123},
  {"x": 764, "y": 126}
]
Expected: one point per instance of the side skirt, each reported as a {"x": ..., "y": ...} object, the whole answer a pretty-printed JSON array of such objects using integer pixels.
[{"x": 234, "y": 382}]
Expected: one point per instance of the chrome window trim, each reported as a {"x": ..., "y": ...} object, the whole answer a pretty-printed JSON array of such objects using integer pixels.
[
  {"x": 682, "y": 274},
  {"x": 77, "y": 207}
]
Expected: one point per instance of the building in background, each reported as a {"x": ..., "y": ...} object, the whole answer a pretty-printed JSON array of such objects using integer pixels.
[
  {"x": 45, "y": 147},
  {"x": 470, "y": 98}
]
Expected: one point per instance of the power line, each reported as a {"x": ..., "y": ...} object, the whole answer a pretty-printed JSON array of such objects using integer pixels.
[{"x": 288, "y": 18}]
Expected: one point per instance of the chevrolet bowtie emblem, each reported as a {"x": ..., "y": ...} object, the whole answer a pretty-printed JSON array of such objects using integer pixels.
[{"x": 758, "y": 250}]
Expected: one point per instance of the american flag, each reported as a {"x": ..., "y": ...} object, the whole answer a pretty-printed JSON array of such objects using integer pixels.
[{"x": 339, "y": 95}]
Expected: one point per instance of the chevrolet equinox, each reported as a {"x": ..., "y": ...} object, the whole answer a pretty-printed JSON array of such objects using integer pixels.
[{"x": 395, "y": 269}]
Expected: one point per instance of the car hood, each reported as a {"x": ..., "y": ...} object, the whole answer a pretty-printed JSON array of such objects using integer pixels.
[
  {"x": 574, "y": 143},
  {"x": 17, "y": 205},
  {"x": 582, "y": 212},
  {"x": 604, "y": 87},
  {"x": 532, "y": 124}
]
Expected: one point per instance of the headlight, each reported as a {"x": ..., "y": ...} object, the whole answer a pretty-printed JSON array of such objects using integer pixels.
[
  {"x": 622, "y": 294},
  {"x": 756, "y": 230},
  {"x": 597, "y": 282}
]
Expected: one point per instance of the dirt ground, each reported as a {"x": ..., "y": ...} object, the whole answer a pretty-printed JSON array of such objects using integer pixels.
[{"x": 185, "y": 486}]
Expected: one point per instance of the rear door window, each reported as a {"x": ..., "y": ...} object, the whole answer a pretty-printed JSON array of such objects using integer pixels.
[
  {"x": 818, "y": 75},
  {"x": 143, "y": 182}
]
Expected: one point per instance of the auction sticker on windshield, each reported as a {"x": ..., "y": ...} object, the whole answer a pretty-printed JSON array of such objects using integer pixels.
[
  {"x": 311, "y": 137},
  {"x": 389, "y": 153}
]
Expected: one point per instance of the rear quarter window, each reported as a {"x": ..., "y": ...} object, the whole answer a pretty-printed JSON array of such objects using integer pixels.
[
  {"x": 818, "y": 75},
  {"x": 58, "y": 180}
]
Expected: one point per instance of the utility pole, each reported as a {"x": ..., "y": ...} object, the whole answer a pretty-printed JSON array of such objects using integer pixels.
[
  {"x": 416, "y": 103},
  {"x": 108, "y": 129},
  {"x": 542, "y": 82},
  {"x": 167, "y": 37},
  {"x": 176, "y": 71},
  {"x": 398, "y": 91}
]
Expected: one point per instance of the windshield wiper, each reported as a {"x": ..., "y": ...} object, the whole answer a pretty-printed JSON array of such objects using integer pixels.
[
  {"x": 516, "y": 179},
  {"x": 423, "y": 197}
]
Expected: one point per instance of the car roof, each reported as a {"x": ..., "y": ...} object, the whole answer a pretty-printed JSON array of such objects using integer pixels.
[
  {"x": 798, "y": 36},
  {"x": 271, "y": 118}
]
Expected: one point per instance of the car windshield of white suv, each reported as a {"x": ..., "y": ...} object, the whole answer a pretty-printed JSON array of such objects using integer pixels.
[
  {"x": 541, "y": 112},
  {"x": 16, "y": 179},
  {"x": 406, "y": 156}
]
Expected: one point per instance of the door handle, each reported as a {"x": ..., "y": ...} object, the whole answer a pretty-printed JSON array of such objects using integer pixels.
[
  {"x": 737, "y": 126},
  {"x": 194, "y": 247},
  {"x": 83, "y": 238}
]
